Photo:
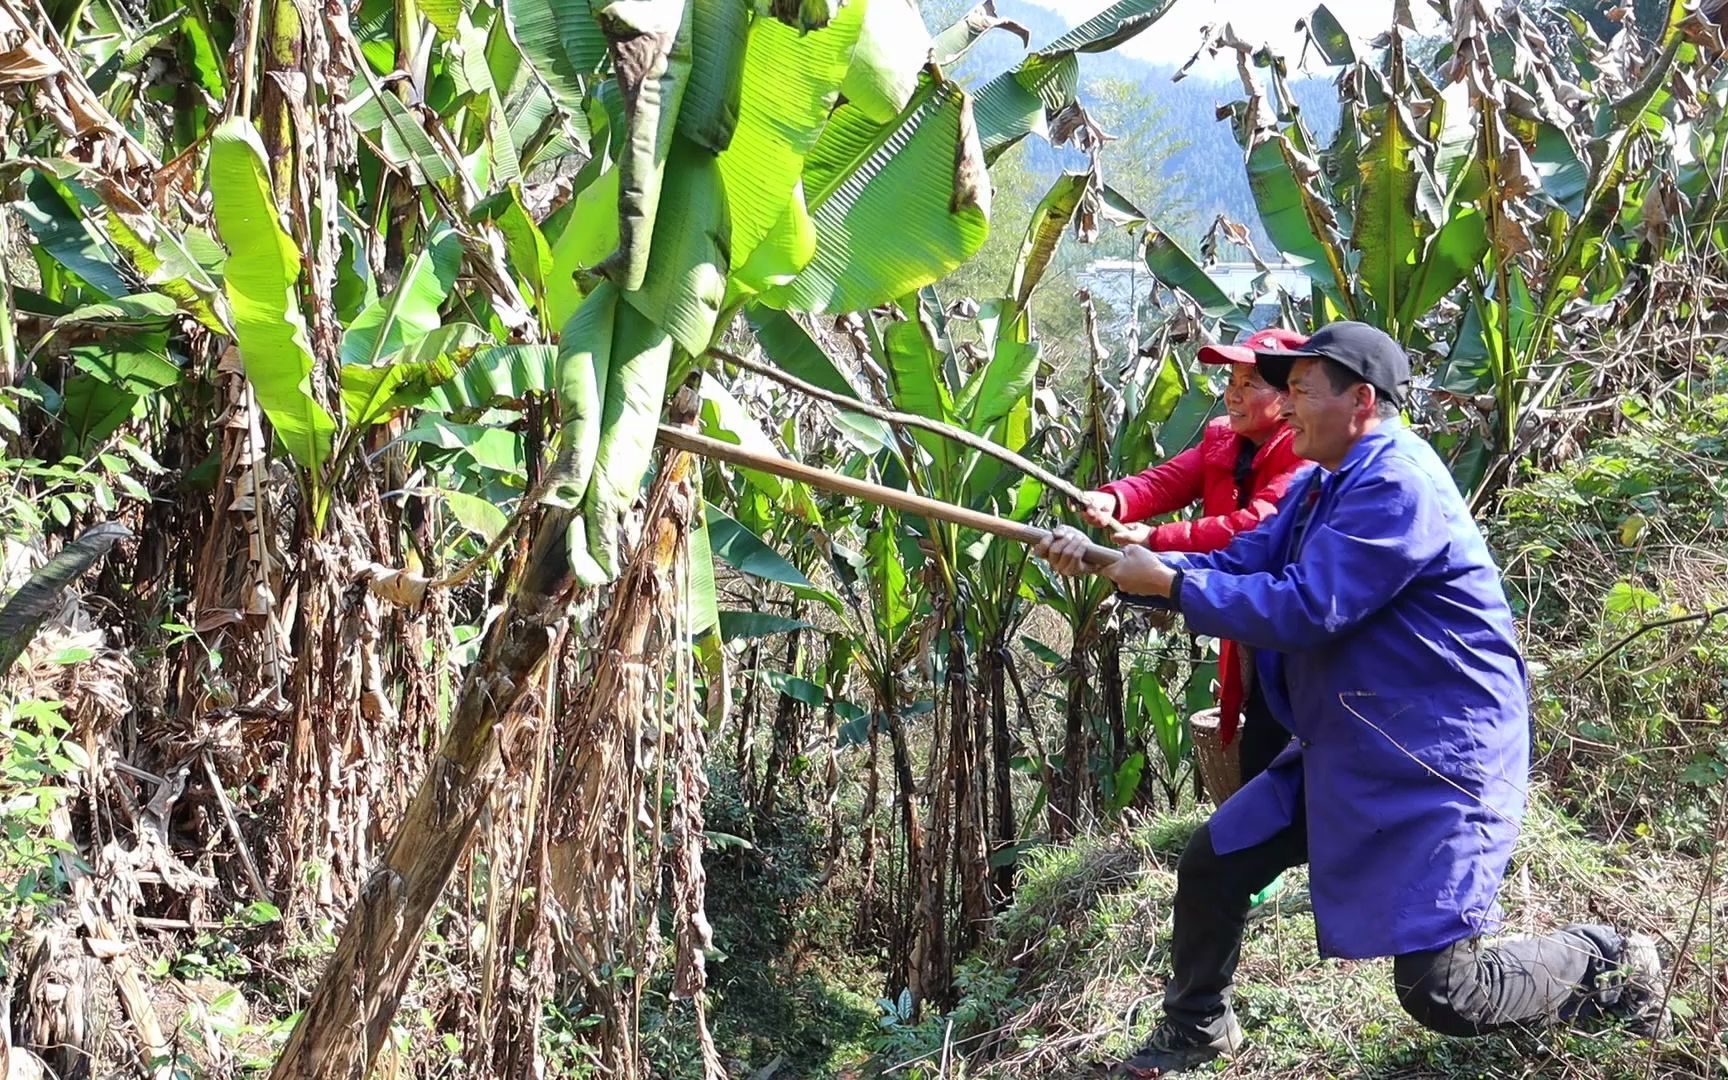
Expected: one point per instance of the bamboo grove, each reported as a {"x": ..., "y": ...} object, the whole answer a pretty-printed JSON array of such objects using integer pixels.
[{"x": 361, "y": 318}]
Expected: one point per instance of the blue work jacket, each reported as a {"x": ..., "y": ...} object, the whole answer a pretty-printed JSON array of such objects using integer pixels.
[{"x": 1384, "y": 643}]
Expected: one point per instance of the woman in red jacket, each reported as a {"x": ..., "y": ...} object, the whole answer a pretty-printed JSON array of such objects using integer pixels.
[{"x": 1238, "y": 473}]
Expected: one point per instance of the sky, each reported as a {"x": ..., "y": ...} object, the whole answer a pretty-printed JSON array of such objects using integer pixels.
[{"x": 1173, "y": 39}]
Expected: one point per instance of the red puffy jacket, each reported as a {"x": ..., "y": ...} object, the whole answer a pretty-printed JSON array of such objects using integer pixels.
[{"x": 1207, "y": 472}]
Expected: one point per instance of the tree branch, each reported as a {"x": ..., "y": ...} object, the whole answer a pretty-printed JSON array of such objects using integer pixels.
[{"x": 1659, "y": 624}]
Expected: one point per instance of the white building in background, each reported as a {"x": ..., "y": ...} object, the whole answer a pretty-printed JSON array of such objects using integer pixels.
[{"x": 1113, "y": 281}]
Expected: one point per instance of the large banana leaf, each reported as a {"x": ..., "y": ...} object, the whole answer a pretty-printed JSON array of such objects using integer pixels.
[
  {"x": 530, "y": 255},
  {"x": 59, "y": 223},
  {"x": 709, "y": 114},
  {"x": 1006, "y": 378},
  {"x": 891, "y": 52},
  {"x": 744, "y": 551},
  {"x": 1386, "y": 215},
  {"x": 726, "y": 419},
  {"x": 1300, "y": 224},
  {"x": 650, "y": 42},
  {"x": 1176, "y": 269},
  {"x": 398, "y": 134},
  {"x": 686, "y": 279},
  {"x": 635, "y": 388},
  {"x": 262, "y": 289},
  {"x": 410, "y": 310},
  {"x": 1447, "y": 259},
  {"x": 915, "y": 369},
  {"x": 592, "y": 234},
  {"x": 785, "y": 251},
  {"x": 564, "y": 46},
  {"x": 896, "y": 206},
  {"x": 791, "y": 81},
  {"x": 1014, "y": 103},
  {"x": 371, "y": 394},
  {"x": 501, "y": 376},
  {"x": 1054, "y": 214},
  {"x": 584, "y": 373}
]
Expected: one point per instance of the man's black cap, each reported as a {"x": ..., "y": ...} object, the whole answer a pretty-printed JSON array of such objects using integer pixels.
[{"x": 1363, "y": 349}]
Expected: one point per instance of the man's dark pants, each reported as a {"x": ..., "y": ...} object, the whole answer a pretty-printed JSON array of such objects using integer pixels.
[
  {"x": 1472, "y": 987},
  {"x": 1262, "y": 736}
]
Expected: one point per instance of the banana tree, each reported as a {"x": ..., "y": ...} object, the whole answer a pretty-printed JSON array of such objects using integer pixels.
[{"x": 1465, "y": 209}]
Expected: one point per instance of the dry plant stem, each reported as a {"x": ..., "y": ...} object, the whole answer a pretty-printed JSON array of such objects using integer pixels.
[
  {"x": 901, "y": 419},
  {"x": 347, "y": 1021}
]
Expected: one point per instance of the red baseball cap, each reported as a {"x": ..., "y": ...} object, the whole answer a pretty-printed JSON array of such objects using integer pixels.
[{"x": 1272, "y": 339}]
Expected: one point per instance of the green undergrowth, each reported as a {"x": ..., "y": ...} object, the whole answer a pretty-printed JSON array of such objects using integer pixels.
[{"x": 1076, "y": 974}]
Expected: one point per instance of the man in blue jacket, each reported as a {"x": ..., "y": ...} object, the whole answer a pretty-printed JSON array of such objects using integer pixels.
[{"x": 1384, "y": 642}]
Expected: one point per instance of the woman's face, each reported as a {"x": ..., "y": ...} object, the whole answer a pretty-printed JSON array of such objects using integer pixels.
[{"x": 1254, "y": 407}]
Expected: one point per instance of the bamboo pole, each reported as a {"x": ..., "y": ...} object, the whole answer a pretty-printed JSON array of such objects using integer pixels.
[{"x": 1096, "y": 555}]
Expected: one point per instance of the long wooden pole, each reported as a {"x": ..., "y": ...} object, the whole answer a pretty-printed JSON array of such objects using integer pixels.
[{"x": 1096, "y": 554}]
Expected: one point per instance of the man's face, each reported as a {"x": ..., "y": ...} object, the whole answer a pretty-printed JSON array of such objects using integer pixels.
[{"x": 1325, "y": 422}]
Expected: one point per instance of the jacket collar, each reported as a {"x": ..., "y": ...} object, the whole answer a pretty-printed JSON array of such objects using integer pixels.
[
  {"x": 1369, "y": 445},
  {"x": 1279, "y": 438}
]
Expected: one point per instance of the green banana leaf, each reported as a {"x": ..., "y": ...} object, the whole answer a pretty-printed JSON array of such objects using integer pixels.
[
  {"x": 564, "y": 46},
  {"x": 57, "y": 219},
  {"x": 709, "y": 114},
  {"x": 1386, "y": 222},
  {"x": 724, "y": 419},
  {"x": 790, "y": 84},
  {"x": 704, "y": 609},
  {"x": 263, "y": 292},
  {"x": 399, "y": 136},
  {"x": 1176, "y": 269},
  {"x": 650, "y": 42},
  {"x": 584, "y": 366},
  {"x": 785, "y": 251},
  {"x": 896, "y": 206},
  {"x": 1052, "y": 217},
  {"x": 630, "y": 416},
  {"x": 530, "y": 255},
  {"x": 1447, "y": 259},
  {"x": 590, "y": 235},
  {"x": 685, "y": 283},
  {"x": 409, "y": 311},
  {"x": 1290, "y": 212},
  {"x": 1005, "y": 379},
  {"x": 746, "y": 552},
  {"x": 892, "y": 48}
]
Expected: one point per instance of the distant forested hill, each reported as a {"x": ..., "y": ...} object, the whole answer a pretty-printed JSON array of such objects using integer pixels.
[{"x": 1200, "y": 173}]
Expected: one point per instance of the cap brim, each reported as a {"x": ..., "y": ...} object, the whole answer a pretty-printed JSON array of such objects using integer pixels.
[
  {"x": 1275, "y": 365},
  {"x": 1226, "y": 354}
]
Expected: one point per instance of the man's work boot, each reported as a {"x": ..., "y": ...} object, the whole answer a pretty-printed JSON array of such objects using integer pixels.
[
  {"x": 1173, "y": 1049},
  {"x": 1643, "y": 995}
]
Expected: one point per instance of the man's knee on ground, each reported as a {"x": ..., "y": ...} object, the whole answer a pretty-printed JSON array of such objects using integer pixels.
[{"x": 1424, "y": 993}]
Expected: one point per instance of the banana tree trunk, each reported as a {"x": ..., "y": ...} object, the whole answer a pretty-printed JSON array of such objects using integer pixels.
[{"x": 348, "y": 1018}]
